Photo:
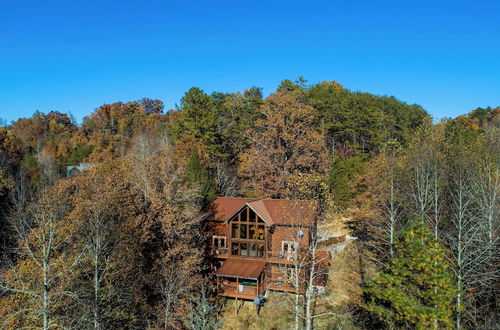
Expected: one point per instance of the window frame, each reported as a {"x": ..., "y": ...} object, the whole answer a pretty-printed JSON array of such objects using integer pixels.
[
  {"x": 219, "y": 239},
  {"x": 293, "y": 244},
  {"x": 242, "y": 223},
  {"x": 289, "y": 274}
]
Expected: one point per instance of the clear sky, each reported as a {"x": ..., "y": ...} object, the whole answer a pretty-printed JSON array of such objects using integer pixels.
[{"x": 74, "y": 56}]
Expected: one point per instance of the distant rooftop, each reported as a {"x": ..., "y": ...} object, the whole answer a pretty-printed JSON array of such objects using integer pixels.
[{"x": 79, "y": 168}]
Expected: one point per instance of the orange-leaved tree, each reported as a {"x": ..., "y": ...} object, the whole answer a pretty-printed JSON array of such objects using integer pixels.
[{"x": 283, "y": 143}]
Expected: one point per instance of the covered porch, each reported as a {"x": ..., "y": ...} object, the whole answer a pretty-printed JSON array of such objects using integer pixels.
[{"x": 240, "y": 278}]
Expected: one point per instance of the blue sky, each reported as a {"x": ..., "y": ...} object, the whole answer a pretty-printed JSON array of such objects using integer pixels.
[{"x": 74, "y": 56}]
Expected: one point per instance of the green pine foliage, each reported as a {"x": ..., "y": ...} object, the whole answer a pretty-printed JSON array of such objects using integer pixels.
[
  {"x": 198, "y": 175},
  {"x": 29, "y": 162},
  {"x": 198, "y": 119},
  {"x": 237, "y": 114},
  {"x": 362, "y": 122},
  {"x": 416, "y": 290},
  {"x": 220, "y": 120},
  {"x": 79, "y": 154},
  {"x": 343, "y": 176}
]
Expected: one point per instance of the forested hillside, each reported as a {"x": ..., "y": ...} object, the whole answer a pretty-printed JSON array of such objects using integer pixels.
[{"x": 121, "y": 244}]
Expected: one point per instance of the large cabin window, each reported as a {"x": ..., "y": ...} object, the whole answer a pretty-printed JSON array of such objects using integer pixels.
[
  {"x": 252, "y": 232},
  {"x": 243, "y": 249},
  {"x": 260, "y": 232},
  {"x": 243, "y": 231},
  {"x": 235, "y": 249},
  {"x": 252, "y": 216},
  {"x": 235, "y": 230},
  {"x": 248, "y": 233},
  {"x": 261, "y": 251},
  {"x": 252, "y": 251}
]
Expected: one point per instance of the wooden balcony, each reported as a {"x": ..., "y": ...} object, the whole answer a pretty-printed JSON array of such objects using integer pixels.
[
  {"x": 278, "y": 257},
  {"x": 220, "y": 252},
  {"x": 282, "y": 285},
  {"x": 240, "y": 291}
]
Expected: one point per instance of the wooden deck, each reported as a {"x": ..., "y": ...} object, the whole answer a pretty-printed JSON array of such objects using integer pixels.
[
  {"x": 282, "y": 288},
  {"x": 232, "y": 291},
  {"x": 235, "y": 271},
  {"x": 251, "y": 292},
  {"x": 280, "y": 258}
]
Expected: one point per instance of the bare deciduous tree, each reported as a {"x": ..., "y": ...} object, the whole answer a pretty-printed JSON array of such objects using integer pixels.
[
  {"x": 41, "y": 263},
  {"x": 468, "y": 252},
  {"x": 226, "y": 179},
  {"x": 424, "y": 165},
  {"x": 172, "y": 286},
  {"x": 382, "y": 206},
  {"x": 99, "y": 294}
]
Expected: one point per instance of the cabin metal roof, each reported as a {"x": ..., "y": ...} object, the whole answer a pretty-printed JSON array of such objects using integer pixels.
[
  {"x": 242, "y": 268},
  {"x": 272, "y": 211}
]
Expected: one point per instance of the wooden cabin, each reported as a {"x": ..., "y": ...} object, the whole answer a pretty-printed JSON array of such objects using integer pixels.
[
  {"x": 255, "y": 243},
  {"x": 74, "y": 170}
]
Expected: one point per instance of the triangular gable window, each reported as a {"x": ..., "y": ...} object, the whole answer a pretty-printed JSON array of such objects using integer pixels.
[
  {"x": 248, "y": 233},
  {"x": 246, "y": 215}
]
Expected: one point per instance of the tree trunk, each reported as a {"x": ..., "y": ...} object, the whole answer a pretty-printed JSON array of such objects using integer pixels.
[
  {"x": 392, "y": 215},
  {"x": 166, "y": 315},
  {"x": 96, "y": 279},
  {"x": 46, "y": 300},
  {"x": 297, "y": 303},
  {"x": 310, "y": 289}
]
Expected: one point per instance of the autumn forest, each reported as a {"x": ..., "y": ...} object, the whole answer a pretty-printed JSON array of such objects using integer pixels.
[{"x": 121, "y": 245}]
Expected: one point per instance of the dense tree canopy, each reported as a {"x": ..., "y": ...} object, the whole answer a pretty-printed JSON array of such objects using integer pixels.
[
  {"x": 284, "y": 144},
  {"x": 362, "y": 122},
  {"x": 126, "y": 238}
]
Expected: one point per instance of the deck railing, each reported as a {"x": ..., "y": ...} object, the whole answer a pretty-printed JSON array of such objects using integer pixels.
[
  {"x": 281, "y": 285},
  {"x": 280, "y": 256},
  {"x": 273, "y": 256},
  {"x": 279, "y": 282},
  {"x": 238, "y": 290},
  {"x": 220, "y": 252}
]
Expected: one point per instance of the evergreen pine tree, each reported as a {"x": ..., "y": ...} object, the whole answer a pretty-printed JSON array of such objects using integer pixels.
[
  {"x": 198, "y": 174},
  {"x": 416, "y": 290}
]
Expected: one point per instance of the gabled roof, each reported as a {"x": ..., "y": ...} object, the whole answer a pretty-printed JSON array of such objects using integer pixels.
[
  {"x": 261, "y": 210},
  {"x": 272, "y": 211},
  {"x": 224, "y": 207}
]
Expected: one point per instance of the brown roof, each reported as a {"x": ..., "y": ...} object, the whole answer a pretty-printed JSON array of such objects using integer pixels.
[
  {"x": 259, "y": 208},
  {"x": 224, "y": 207},
  {"x": 241, "y": 268},
  {"x": 272, "y": 211},
  {"x": 291, "y": 212}
]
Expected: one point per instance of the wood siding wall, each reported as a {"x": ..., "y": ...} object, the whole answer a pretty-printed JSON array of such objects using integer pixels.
[{"x": 282, "y": 233}]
